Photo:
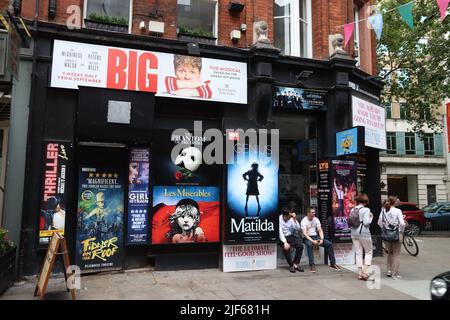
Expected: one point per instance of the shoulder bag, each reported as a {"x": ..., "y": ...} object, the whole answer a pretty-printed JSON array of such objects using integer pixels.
[{"x": 389, "y": 232}]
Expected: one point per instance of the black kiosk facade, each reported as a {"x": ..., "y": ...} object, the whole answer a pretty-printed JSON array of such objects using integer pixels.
[{"x": 97, "y": 157}]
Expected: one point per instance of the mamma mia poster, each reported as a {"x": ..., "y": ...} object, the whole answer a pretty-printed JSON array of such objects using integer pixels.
[
  {"x": 99, "y": 242},
  {"x": 343, "y": 180},
  {"x": 185, "y": 214},
  {"x": 252, "y": 194}
]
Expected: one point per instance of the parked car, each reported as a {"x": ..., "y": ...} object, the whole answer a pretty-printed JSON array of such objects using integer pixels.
[
  {"x": 439, "y": 287},
  {"x": 437, "y": 216},
  {"x": 414, "y": 217}
]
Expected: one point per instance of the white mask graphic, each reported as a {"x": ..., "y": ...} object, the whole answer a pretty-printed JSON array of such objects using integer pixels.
[{"x": 190, "y": 158}]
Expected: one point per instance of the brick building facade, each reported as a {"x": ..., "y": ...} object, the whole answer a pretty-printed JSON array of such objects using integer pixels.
[
  {"x": 327, "y": 18},
  {"x": 69, "y": 84}
]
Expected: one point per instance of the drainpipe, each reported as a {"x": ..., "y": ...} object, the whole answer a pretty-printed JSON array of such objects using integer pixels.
[{"x": 24, "y": 234}]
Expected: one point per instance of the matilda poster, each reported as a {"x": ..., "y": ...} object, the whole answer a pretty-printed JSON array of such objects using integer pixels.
[
  {"x": 252, "y": 195},
  {"x": 138, "y": 196},
  {"x": 188, "y": 167},
  {"x": 53, "y": 198},
  {"x": 185, "y": 214},
  {"x": 343, "y": 179},
  {"x": 100, "y": 219}
]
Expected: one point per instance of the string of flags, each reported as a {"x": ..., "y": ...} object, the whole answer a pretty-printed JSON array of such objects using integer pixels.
[{"x": 376, "y": 20}]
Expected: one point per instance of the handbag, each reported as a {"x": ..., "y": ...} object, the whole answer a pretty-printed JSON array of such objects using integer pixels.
[{"x": 390, "y": 233}]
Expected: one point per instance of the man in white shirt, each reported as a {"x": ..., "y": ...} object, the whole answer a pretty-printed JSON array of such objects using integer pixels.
[
  {"x": 288, "y": 225},
  {"x": 313, "y": 236}
]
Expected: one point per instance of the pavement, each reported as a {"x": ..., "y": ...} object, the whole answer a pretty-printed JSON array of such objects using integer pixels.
[{"x": 213, "y": 284}]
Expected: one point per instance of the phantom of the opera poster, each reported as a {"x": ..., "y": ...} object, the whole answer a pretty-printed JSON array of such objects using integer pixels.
[
  {"x": 343, "y": 185},
  {"x": 100, "y": 219},
  {"x": 252, "y": 195},
  {"x": 185, "y": 214},
  {"x": 188, "y": 166}
]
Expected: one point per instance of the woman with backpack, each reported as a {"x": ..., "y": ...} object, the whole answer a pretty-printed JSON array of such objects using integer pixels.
[
  {"x": 359, "y": 221},
  {"x": 392, "y": 227}
]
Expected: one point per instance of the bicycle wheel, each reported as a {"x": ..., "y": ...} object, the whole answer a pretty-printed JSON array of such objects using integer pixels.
[{"x": 410, "y": 245}]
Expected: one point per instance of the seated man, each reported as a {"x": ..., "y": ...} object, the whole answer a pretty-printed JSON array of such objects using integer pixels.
[
  {"x": 313, "y": 236},
  {"x": 288, "y": 239}
]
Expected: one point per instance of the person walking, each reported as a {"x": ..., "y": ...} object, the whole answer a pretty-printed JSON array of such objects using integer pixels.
[
  {"x": 359, "y": 221},
  {"x": 392, "y": 218},
  {"x": 288, "y": 238}
]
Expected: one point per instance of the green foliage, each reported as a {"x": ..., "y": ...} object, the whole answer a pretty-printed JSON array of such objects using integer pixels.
[
  {"x": 415, "y": 63},
  {"x": 107, "y": 19},
  {"x": 195, "y": 32},
  {"x": 5, "y": 243}
]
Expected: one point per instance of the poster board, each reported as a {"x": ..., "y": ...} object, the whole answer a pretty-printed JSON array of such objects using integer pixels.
[
  {"x": 57, "y": 246},
  {"x": 249, "y": 257}
]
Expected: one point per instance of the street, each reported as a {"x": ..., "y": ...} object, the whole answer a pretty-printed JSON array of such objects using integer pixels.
[{"x": 434, "y": 258}]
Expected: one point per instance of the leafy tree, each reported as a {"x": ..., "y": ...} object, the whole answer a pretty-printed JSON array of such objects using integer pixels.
[{"x": 415, "y": 63}]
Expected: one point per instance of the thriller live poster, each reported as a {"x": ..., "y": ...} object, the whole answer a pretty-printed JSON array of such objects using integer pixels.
[
  {"x": 252, "y": 195},
  {"x": 100, "y": 219},
  {"x": 53, "y": 197},
  {"x": 343, "y": 185},
  {"x": 138, "y": 196}
]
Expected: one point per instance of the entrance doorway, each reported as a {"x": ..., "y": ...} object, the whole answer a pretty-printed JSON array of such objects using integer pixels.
[
  {"x": 298, "y": 158},
  {"x": 403, "y": 187},
  {"x": 101, "y": 206}
]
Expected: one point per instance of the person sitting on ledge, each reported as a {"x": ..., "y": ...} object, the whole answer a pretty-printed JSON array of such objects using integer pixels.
[
  {"x": 288, "y": 239},
  {"x": 313, "y": 236}
]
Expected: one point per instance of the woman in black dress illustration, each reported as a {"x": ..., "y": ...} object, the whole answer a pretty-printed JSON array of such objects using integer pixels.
[{"x": 252, "y": 177}]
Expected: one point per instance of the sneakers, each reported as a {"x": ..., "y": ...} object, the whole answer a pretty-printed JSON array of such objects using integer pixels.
[
  {"x": 292, "y": 269},
  {"x": 389, "y": 274},
  {"x": 397, "y": 277},
  {"x": 300, "y": 268},
  {"x": 313, "y": 269},
  {"x": 335, "y": 267}
]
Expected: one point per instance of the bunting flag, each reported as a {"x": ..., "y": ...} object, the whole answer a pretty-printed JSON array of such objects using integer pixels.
[
  {"x": 442, "y": 4},
  {"x": 348, "y": 32},
  {"x": 377, "y": 23},
  {"x": 407, "y": 14}
]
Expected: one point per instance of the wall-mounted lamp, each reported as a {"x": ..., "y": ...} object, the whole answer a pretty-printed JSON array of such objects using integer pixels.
[
  {"x": 52, "y": 9},
  {"x": 193, "y": 49},
  {"x": 303, "y": 76},
  {"x": 17, "y": 6}
]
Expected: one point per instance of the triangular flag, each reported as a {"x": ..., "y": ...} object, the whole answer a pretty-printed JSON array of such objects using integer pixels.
[
  {"x": 406, "y": 13},
  {"x": 348, "y": 31},
  {"x": 443, "y": 4},
  {"x": 377, "y": 23}
]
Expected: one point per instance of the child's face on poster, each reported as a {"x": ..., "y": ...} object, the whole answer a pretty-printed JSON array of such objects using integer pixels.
[
  {"x": 185, "y": 222},
  {"x": 187, "y": 73}
]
